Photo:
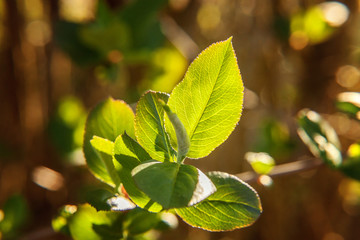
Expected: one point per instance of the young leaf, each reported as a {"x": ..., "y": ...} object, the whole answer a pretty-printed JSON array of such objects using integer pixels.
[
  {"x": 261, "y": 162},
  {"x": 172, "y": 185},
  {"x": 104, "y": 149},
  {"x": 149, "y": 126},
  {"x": 320, "y": 137},
  {"x": 129, "y": 154},
  {"x": 209, "y": 99},
  {"x": 87, "y": 223},
  {"x": 182, "y": 138},
  {"x": 234, "y": 205},
  {"x": 108, "y": 120},
  {"x": 349, "y": 102}
]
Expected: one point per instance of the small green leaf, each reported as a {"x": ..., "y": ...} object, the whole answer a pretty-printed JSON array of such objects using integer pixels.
[
  {"x": 139, "y": 221},
  {"x": 234, "y": 205},
  {"x": 149, "y": 126},
  {"x": 104, "y": 149},
  {"x": 87, "y": 223},
  {"x": 320, "y": 137},
  {"x": 349, "y": 102},
  {"x": 182, "y": 138},
  {"x": 60, "y": 222},
  {"x": 107, "y": 120},
  {"x": 128, "y": 155},
  {"x": 209, "y": 99},
  {"x": 172, "y": 185},
  {"x": 102, "y": 145},
  {"x": 97, "y": 198},
  {"x": 261, "y": 162}
]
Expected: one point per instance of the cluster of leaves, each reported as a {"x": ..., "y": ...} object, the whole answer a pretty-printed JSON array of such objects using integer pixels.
[
  {"x": 141, "y": 157},
  {"x": 323, "y": 142}
]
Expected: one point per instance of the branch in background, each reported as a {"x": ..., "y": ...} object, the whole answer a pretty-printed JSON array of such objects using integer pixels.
[
  {"x": 284, "y": 169},
  {"x": 179, "y": 38}
]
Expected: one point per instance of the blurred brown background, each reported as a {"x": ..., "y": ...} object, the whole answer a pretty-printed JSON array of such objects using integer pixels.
[{"x": 59, "y": 58}]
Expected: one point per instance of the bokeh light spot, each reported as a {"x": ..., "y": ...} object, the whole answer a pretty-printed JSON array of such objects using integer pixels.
[
  {"x": 335, "y": 13},
  {"x": 208, "y": 16},
  {"x": 47, "y": 178},
  {"x": 348, "y": 76}
]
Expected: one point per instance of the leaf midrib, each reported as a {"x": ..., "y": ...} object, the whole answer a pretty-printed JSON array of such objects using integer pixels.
[{"x": 203, "y": 110}]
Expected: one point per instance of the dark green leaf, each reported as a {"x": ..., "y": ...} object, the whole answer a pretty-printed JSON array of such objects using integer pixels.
[
  {"x": 172, "y": 185},
  {"x": 140, "y": 221},
  {"x": 234, "y": 205},
  {"x": 129, "y": 154}
]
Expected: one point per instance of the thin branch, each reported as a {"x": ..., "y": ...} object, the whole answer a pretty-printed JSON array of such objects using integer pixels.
[{"x": 284, "y": 169}]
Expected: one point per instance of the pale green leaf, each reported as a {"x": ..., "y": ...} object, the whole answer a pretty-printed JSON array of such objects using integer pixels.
[
  {"x": 209, "y": 99},
  {"x": 234, "y": 205},
  {"x": 149, "y": 126},
  {"x": 171, "y": 184},
  {"x": 104, "y": 149},
  {"x": 128, "y": 155},
  {"x": 108, "y": 120},
  {"x": 261, "y": 162}
]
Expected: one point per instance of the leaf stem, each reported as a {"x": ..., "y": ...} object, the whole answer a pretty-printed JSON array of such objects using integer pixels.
[{"x": 284, "y": 169}]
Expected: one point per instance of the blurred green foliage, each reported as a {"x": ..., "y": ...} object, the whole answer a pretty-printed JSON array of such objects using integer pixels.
[{"x": 13, "y": 216}]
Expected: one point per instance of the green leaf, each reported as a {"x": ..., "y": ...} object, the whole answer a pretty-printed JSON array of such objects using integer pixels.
[
  {"x": 182, "y": 138},
  {"x": 108, "y": 120},
  {"x": 234, "y": 205},
  {"x": 149, "y": 126},
  {"x": 209, "y": 99},
  {"x": 172, "y": 185},
  {"x": 129, "y": 154},
  {"x": 104, "y": 149},
  {"x": 60, "y": 222},
  {"x": 261, "y": 162},
  {"x": 139, "y": 221},
  {"x": 88, "y": 224},
  {"x": 320, "y": 137},
  {"x": 349, "y": 103}
]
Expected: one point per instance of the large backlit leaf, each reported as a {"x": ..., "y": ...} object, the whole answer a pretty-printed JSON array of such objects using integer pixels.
[
  {"x": 149, "y": 126},
  {"x": 128, "y": 155},
  {"x": 209, "y": 99},
  {"x": 320, "y": 137},
  {"x": 234, "y": 205},
  {"x": 172, "y": 185},
  {"x": 107, "y": 120}
]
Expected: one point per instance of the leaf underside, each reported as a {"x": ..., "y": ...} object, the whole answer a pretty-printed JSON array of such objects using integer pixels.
[{"x": 234, "y": 205}]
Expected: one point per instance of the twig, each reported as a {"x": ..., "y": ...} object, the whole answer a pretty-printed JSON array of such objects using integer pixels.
[
  {"x": 179, "y": 38},
  {"x": 284, "y": 169}
]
